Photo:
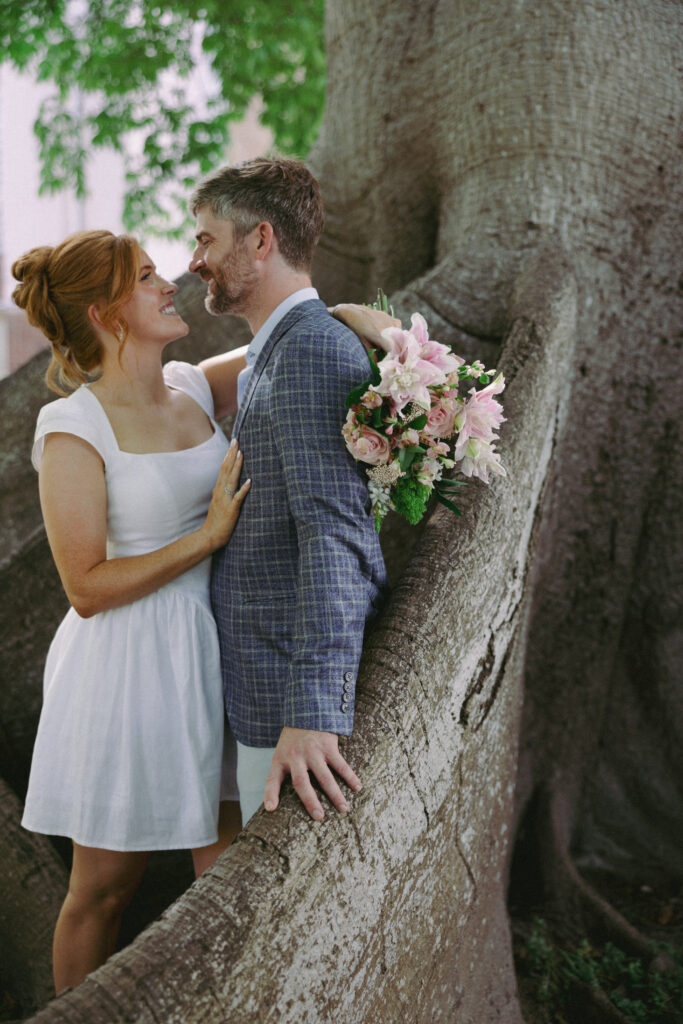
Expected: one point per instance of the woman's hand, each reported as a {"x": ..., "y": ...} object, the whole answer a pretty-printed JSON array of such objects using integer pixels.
[
  {"x": 226, "y": 501},
  {"x": 367, "y": 323}
]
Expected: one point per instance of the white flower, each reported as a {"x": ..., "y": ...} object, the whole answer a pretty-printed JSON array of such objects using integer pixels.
[
  {"x": 381, "y": 499},
  {"x": 429, "y": 472},
  {"x": 387, "y": 474},
  {"x": 478, "y": 458}
]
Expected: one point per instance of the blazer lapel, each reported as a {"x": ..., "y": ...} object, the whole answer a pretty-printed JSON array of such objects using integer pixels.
[{"x": 264, "y": 355}]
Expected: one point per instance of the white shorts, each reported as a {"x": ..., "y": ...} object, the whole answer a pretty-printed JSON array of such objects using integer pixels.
[{"x": 253, "y": 766}]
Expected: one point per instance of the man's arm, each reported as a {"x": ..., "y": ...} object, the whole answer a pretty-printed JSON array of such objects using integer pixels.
[{"x": 327, "y": 500}]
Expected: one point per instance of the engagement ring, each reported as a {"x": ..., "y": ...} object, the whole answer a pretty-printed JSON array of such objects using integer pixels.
[{"x": 230, "y": 494}]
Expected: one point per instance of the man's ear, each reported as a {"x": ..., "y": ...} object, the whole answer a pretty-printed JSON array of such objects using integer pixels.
[{"x": 265, "y": 240}]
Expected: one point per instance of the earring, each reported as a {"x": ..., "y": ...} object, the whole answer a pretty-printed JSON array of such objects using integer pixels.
[{"x": 119, "y": 332}]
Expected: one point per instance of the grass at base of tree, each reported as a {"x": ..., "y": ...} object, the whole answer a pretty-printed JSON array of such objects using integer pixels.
[
  {"x": 653, "y": 907},
  {"x": 642, "y": 995}
]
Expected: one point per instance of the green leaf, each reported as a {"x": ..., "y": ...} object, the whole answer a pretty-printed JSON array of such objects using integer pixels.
[
  {"x": 118, "y": 58},
  {"x": 354, "y": 397},
  {"x": 447, "y": 503},
  {"x": 407, "y": 456},
  {"x": 419, "y": 422},
  {"x": 445, "y": 485},
  {"x": 376, "y": 375}
]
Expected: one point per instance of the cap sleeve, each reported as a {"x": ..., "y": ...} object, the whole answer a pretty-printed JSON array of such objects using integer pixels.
[
  {"x": 190, "y": 379},
  {"x": 70, "y": 415}
]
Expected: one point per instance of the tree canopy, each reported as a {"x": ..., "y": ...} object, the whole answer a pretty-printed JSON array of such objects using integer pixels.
[{"x": 120, "y": 70}]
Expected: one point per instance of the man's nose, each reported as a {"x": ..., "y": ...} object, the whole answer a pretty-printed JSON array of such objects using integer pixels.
[{"x": 195, "y": 262}]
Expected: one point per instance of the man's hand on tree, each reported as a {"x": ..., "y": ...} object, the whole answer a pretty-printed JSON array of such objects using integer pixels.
[{"x": 300, "y": 751}]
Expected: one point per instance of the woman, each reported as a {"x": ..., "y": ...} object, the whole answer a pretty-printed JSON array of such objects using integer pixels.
[{"x": 138, "y": 487}]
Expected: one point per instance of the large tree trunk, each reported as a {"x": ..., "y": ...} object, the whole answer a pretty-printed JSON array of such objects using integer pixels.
[
  {"x": 545, "y": 120},
  {"x": 476, "y": 161}
]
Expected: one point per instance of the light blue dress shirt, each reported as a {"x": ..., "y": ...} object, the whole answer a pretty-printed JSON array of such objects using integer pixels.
[{"x": 264, "y": 332}]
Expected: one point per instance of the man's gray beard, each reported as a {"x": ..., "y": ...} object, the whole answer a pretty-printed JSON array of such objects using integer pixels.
[
  {"x": 242, "y": 281},
  {"x": 217, "y": 304}
]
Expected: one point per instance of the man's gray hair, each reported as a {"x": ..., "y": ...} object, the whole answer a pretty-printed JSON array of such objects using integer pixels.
[{"x": 282, "y": 192}]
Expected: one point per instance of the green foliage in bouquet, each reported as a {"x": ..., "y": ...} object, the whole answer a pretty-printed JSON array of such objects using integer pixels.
[{"x": 410, "y": 499}]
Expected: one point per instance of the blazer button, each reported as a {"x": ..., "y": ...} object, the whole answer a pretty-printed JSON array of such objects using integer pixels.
[
  {"x": 348, "y": 676},
  {"x": 344, "y": 706}
]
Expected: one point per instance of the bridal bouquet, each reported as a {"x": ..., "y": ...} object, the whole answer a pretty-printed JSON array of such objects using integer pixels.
[{"x": 409, "y": 422}]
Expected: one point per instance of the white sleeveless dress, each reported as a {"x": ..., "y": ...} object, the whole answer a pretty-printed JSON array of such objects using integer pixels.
[{"x": 128, "y": 754}]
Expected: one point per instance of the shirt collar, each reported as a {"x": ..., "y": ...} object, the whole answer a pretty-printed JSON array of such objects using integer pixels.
[{"x": 266, "y": 329}]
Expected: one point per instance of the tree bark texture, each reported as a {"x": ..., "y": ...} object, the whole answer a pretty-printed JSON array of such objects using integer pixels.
[
  {"x": 499, "y": 126},
  {"x": 34, "y": 882},
  {"x": 510, "y": 169}
]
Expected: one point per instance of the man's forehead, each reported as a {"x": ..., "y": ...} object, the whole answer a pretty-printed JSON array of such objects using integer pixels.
[{"x": 208, "y": 223}]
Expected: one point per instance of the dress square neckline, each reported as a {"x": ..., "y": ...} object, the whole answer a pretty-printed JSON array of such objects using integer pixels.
[{"x": 174, "y": 451}]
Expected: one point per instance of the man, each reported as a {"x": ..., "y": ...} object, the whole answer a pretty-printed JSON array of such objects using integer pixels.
[{"x": 303, "y": 572}]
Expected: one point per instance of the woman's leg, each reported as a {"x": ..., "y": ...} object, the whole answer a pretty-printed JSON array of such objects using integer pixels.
[
  {"x": 101, "y": 886},
  {"x": 229, "y": 824}
]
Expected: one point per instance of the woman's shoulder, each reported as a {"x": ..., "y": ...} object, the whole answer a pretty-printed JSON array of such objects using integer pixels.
[
  {"x": 75, "y": 406},
  {"x": 77, "y": 414}
]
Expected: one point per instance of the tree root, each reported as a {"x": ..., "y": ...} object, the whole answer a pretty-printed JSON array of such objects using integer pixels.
[
  {"x": 34, "y": 884},
  {"x": 572, "y": 907},
  {"x": 592, "y": 1006},
  {"x": 600, "y": 919}
]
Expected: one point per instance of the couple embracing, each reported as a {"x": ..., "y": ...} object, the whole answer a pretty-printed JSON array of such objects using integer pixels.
[{"x": 138, "y": 488}]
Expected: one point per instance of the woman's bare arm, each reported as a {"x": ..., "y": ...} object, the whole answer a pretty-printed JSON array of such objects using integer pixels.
[
  {"x": 221, "y": 372},
  {"x": 73, "y": 498},
  {"x": 367, "y": 323}
]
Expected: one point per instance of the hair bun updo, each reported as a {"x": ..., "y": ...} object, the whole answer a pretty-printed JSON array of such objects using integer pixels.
[
  {"x": 57, "y": 286},
  {"x": 33, "y": 292}
]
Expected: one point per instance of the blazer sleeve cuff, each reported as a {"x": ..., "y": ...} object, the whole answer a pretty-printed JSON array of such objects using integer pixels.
[{"x": 328, "y": 711}]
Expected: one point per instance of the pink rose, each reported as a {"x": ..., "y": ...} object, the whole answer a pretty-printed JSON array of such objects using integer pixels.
[
  {"x": 364, "y": 443},
  {"x": 441, "y": 418}
]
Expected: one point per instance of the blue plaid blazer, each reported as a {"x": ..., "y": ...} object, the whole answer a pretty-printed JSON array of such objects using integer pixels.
[{"x": 303, "y": 571}]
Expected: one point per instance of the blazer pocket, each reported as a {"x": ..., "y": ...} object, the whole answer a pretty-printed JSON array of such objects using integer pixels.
[{"x": 271, "y": 595}]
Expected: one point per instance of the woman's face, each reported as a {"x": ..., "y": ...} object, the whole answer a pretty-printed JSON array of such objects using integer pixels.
[{"x": 150, "y": 312}]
